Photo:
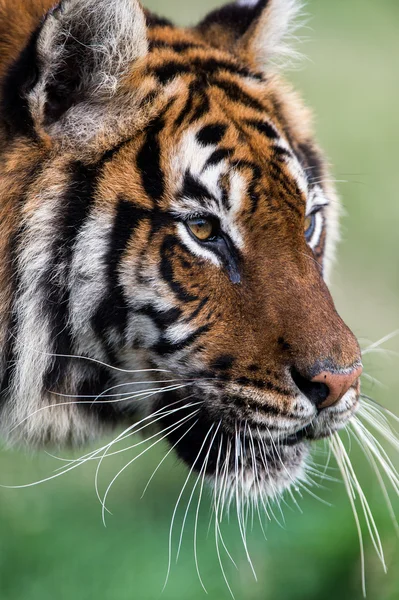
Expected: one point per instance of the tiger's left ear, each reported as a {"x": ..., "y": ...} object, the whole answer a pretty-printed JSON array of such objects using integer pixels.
[
  {"x": 260, "y": 28},
  {"x": 84, "y": 49}
]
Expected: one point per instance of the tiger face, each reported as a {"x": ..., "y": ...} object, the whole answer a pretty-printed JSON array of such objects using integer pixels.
[{"x": 166, "y": 221}]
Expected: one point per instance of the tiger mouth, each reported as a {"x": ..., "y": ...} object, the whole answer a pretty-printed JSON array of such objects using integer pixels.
[{"x": 212, "y": 442}]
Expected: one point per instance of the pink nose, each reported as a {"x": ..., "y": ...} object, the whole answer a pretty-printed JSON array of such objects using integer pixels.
[{"x": 337, "y": 383}]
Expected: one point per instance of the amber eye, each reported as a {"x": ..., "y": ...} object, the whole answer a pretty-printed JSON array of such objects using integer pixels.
[
  {"x": 309, "y": 225},
  {"x": 203, "y": 228}
]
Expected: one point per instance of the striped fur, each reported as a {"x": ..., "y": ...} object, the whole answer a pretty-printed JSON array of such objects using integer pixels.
[{"x": 115, "y": 128}]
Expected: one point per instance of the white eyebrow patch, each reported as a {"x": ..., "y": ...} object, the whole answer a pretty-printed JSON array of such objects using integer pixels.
[
  {"x": 315, "y": 198},
  {"x": 190, "y": 159}
]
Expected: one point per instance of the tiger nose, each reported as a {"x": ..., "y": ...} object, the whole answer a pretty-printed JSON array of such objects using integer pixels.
[{"x": 337, "y": 384}]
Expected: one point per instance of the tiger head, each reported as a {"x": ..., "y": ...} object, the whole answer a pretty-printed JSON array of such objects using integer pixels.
[{"x": 167, "y": 226}]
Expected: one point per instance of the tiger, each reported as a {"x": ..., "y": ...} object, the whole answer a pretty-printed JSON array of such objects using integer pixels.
[{"x": 168, "y": 220}]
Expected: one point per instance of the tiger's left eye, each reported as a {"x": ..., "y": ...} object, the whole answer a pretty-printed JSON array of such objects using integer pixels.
[
  {"x": 203, "y": 228},
  {"x": 309, "y": 225}
]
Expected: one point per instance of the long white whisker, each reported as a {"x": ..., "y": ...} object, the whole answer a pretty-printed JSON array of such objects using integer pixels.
[
  {"x": 193, "y": 491},
  {"x": 135, "y": 458},
  {"x": 216, "y": 500},
  {"x": 166, "y": 456},
  {"x": 132, "y": 428},
  {"x": 143, "y": 394},
  {"x": 125, "y": 384},
  {"x": 373, "y": 463},
  {"x": 336, "y": 448},
  {"x": 177, "y": 504},
  {"x": 381, "y": 341},
  {"x": 140, "y": 443}
]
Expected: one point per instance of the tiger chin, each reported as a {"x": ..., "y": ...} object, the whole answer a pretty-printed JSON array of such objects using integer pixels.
[{"x": 167, "y": 226}]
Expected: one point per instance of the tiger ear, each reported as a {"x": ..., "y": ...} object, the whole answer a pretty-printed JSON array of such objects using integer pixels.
[
  {"x": 83, "y": 51},
  {"x": 260, "y": 28}
]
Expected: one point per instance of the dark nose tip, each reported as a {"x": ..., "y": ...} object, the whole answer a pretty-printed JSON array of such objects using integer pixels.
[{"x": 326, "y": 388}]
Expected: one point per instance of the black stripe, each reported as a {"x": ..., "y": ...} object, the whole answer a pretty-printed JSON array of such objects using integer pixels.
[
  {"x": 162, "y": 319},
  {"x": 197, "y": 311},
  {"x": 187, "y": 108},
  {"x": 12, "y": 253},
  {"x": 212, "y": 66},
  {"x": 165, "y": 346},
  {"x": 202, "y": 108},
  {"x": 264, "y": 128},
  {"x": 19, "y": 80},
  {"x": 211, "y": 134},
  {"x": 168, "y": 252},
  {"x": 149, "y": 160},
  {"x": 312, "y": 161},
  {"x": 281, "y": 153},
  {"x": 169, "y": 70},
  {"x": 192, "y": 188},
  {"x": 97, "y": 379},
  {"x": 217, "y": 156},
  {"x": 74, "y": 210},
  {"x": 113, "y": 310},
  {"x": 9, "y": 348},
  {"x": 175, "y": 46},
  {"x": 236, "y": 94}
]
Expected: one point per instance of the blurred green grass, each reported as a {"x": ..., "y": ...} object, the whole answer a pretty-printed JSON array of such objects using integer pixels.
[{"x": 52, "y": 541}]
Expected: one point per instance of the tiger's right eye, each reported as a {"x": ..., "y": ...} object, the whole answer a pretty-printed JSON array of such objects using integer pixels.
[{"x": 203, "y": 228}]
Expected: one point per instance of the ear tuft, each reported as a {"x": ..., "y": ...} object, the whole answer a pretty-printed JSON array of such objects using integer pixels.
[
  {"x": 265, "y": 28},
  {"x": 84, "y": 50},
  {"x": 273, "y": 39}
]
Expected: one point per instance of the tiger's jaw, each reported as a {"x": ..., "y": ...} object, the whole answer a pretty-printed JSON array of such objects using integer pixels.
[{"x": 246, "y": 456}]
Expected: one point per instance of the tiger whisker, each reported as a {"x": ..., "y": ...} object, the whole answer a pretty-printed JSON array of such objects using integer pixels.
[
  {"x": 379, "y": 342},
  {"x": 95, "y": 361},
  {"x": 340, "y": 462},
  {"x": 119, "y": 385},
  {"x": 177, "y": 504},
  {"x": 352, "y": 483},
  {"x": 242, "y": 524},
  {"x": 136, "y": 458},
  {"x": 373, "y": 379},
  {"x": 260, "y": 494},
  {"x": 84, "y": 402},
  {"x": 262, "y": 448},
  {"x": 193, "y": 491},
  {"x": 165, "y": 457},
  {"x": 216, "y": 499},
  {"x": 220, "y": 505},
  {"x": 373, "y": 463},
  {"x": 196, "y": 524},
  {"x": 131, "y": 430},
  {"x": 107, "y": 455}
]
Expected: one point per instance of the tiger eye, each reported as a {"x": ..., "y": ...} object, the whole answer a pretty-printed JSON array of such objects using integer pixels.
[
  {"x": 308, "y": 222},
  {"x": 203, "y": 229}
]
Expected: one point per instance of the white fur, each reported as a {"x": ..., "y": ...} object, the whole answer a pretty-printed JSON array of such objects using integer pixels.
[{"x": 274, "y": 35}]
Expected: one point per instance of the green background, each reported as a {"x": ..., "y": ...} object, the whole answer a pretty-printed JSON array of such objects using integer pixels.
[{"x": 52, "y": 541}]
